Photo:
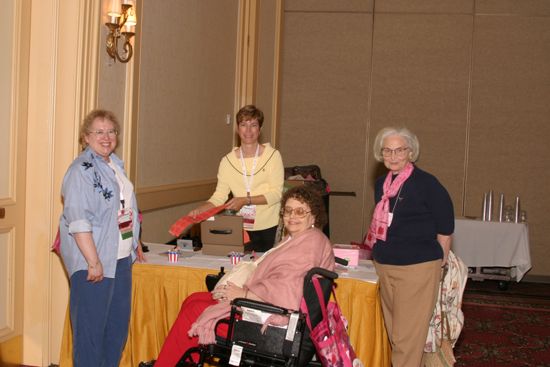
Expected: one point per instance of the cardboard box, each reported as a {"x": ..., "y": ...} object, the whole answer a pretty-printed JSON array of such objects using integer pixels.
[
  {"x": 351, "y": 253},
  {"x": 222, "y": 234}
]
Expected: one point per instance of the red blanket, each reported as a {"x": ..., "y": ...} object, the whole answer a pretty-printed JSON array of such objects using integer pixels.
[{"x": 177, "y": 228}]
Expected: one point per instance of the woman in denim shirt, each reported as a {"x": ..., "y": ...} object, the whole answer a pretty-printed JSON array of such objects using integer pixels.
[{"x": 99, "y": 232}]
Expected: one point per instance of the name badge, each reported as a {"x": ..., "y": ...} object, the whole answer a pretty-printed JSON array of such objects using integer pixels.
[
  {"x": 125, "y": 221},
  {"x": 248, "y": 212}
]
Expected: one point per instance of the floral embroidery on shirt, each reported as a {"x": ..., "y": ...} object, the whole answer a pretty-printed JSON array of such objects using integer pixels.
[
  {"x": 87, "y": 165},
  {"x": 107, "y": 194}
]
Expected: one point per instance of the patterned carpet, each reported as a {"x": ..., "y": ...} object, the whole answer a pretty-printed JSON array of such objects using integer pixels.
[{"x": 505, "y": 328}]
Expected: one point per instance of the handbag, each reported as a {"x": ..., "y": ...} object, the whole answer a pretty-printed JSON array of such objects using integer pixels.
[
  {"x": 443, "y": 355},
  {"x": 330, "y": 336},
  {"x": 213, "y": 279},
  {"x": 441, "y": 348},
  {"x": 56, "y": 245}
]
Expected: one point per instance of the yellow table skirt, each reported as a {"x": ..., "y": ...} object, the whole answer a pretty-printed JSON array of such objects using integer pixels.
[{"x": 158, "y": 291}]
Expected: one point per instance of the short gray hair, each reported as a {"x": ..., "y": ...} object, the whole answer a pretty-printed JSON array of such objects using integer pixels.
[{"x": 403, "y": 132}]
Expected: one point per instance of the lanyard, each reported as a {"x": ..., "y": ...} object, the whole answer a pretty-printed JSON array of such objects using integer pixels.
[
  {"x": 247, "y": 182},
  {"x": 120, "y": 183}
]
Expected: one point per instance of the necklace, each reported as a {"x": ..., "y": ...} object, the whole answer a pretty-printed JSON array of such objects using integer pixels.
[
  {"x": 397, "y": 197},
  {"x": 247, "y": 182},
  {"x": 390, "y": 214},
  {"x": 249, "y": 151}
]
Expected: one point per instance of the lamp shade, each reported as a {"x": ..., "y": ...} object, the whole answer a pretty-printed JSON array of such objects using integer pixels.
[
  {"x": 132, "y": 18},
  {"x": 114, "y": 9}
]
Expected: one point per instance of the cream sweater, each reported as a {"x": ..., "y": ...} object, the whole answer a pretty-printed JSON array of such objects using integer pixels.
[{"x": 268, "y": 181}]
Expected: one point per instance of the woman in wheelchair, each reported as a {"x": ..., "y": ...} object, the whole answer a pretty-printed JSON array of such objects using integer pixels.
[{"x": 277, "y": 279}]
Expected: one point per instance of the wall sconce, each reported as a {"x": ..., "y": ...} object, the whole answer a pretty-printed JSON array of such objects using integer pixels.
[{"x": 122, "y": 23}]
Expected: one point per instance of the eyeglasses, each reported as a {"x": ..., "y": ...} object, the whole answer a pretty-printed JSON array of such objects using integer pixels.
[
  {"x": 400, "y": 152},
  {"x": 100, "y": 133},
  {"x": 298, "y": 212}
]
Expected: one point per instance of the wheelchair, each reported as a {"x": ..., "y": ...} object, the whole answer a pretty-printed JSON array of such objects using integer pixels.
[{"x": 245, "y": 344}]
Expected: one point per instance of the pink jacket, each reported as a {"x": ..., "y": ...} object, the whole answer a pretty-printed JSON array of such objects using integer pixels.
[{"x": 278, "y": 279}]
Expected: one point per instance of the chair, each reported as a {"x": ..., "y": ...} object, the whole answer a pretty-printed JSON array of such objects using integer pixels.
[{"x": 277, "y": 346}]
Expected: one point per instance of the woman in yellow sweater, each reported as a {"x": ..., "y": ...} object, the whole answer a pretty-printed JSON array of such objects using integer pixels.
[{"x": 254, "y": 174}]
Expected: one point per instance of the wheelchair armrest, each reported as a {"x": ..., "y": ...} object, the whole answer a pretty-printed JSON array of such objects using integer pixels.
[
  {"x": 258, "y": 305},
  {"x": 225, "y": 338},
  {"x": 219, "y": 322},
  {"x": 322, "y": 272}
]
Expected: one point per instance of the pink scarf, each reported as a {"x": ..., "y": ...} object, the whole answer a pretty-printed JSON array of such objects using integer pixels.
[{"x": 379, "y": 225}]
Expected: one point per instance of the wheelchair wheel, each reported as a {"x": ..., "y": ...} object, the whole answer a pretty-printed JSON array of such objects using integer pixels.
[
  {"x": 190, "y": 357},
  {"x": 503, "y": 285}
]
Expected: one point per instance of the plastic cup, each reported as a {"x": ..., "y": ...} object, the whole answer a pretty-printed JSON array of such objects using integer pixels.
[{"x": 172, "y": 256}]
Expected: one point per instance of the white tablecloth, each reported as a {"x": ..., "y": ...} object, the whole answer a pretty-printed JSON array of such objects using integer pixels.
[
  {"x": 492, "y": 244},
  {"x": 157, "y": 256}
]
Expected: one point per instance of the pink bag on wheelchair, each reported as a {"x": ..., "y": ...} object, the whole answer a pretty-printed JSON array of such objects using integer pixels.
[{"x": 330, "y": 336}]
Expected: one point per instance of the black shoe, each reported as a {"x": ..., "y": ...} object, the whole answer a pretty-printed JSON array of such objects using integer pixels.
[{"x": 150, "y": 363}]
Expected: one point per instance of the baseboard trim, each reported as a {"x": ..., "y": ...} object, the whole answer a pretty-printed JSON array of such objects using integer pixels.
[{"x": 536, "y": 278}]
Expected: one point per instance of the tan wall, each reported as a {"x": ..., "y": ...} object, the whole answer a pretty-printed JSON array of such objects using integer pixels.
[
  {"x": 187, "y": 84},
  {"x": 474, "y": 86},
  {"x": 156, "y": 223},
  {"x": 267, "y": 71},
  {"x": 192, "y": 75},
  {"x": 471, "y": 78},
  {"x": 346, "y": 70}
]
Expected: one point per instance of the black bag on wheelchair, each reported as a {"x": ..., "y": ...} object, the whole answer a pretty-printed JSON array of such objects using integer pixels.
[{"x": 213, "y": 279}]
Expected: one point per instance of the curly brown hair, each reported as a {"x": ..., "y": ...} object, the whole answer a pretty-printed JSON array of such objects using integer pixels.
[{"x": 310, "y": 196}]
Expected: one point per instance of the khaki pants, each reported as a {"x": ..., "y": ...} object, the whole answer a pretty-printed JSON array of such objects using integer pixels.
[{"x": 408, "y": 294}]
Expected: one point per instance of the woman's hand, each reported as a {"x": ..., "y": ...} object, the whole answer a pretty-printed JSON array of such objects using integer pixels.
[
  {"x": 228, "y": 292},
  {"x": 85, "y": 243},
  {"x": 204, "y": 207},
  {"x": 95, "y": 272},
  {"x": 237, "y": 203},
  {"x": 140, "y": 256},
  {"x": 445, "y": 242},
  {"x": 219, "y": 293}
]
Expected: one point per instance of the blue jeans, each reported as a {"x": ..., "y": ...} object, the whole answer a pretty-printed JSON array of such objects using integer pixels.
[{"x": 100, "y": 314}]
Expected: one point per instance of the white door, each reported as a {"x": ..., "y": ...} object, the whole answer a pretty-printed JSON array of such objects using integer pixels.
[{"x": 12, "y": 170}]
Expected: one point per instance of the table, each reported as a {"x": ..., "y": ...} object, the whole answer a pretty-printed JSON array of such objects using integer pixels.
[
  {"x": 158, "y": 289},
  {"x": 492, "y": 244}
]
